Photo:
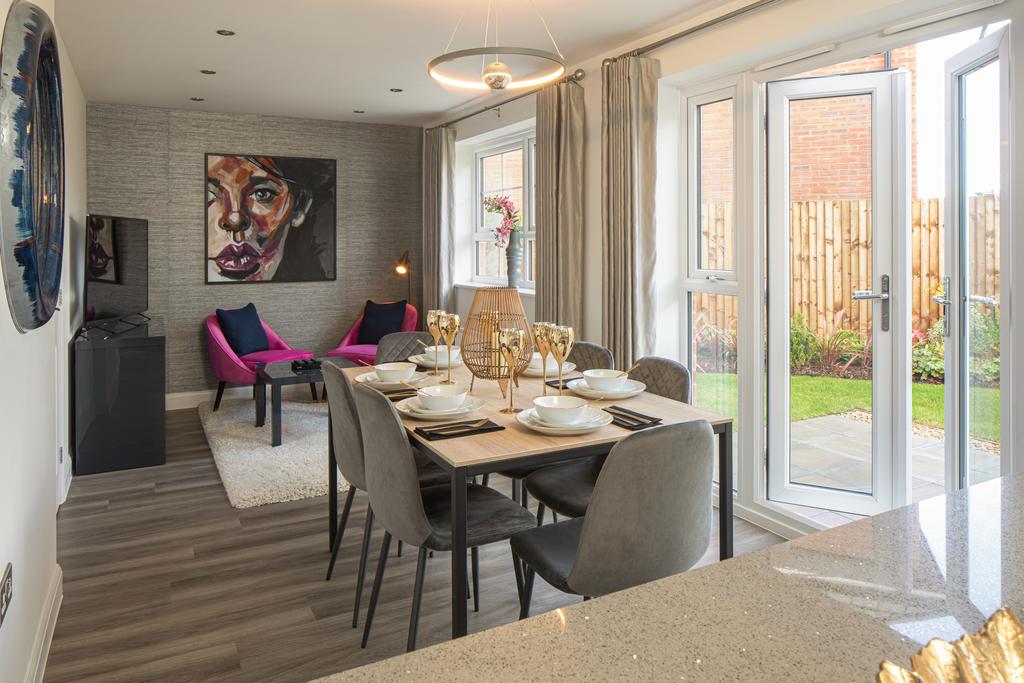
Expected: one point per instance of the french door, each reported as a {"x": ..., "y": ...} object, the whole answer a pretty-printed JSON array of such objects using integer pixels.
[
  {"x": 977, "y": 219},
  {"x": 838, "y": 316}
]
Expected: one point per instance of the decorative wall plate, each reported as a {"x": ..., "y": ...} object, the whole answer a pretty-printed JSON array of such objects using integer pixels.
[{"x": 31, "y": 165}]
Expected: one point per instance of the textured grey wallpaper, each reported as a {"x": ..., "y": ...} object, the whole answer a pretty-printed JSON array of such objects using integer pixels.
[{"x": 148, "y": 163}]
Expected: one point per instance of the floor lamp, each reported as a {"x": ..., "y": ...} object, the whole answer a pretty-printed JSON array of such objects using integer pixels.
[{"x": 402, "y": 270}]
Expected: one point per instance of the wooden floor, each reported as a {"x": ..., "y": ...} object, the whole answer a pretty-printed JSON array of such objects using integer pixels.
[{"x": 164, "y": 580}]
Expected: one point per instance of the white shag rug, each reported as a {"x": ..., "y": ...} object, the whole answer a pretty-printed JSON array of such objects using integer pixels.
[{"x": 254, "y": 472}]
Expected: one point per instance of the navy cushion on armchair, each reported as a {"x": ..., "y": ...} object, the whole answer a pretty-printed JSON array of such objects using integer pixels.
[
  {"x": 243, "y": 330},
  {"x": 379, "y": 320}
]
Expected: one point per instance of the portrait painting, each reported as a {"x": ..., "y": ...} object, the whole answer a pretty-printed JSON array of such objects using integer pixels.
[
  {"x": 101, "y": 248},
  {"x": 270, "y": 219}
]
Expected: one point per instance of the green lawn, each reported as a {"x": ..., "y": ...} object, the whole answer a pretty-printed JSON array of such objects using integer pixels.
[{"x": 816, "y": 396}]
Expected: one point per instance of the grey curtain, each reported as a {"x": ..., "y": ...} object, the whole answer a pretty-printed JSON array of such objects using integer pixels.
[
  {"x": 628, "y": 161},
  {"x": 438, "y": 203},
  {"x": 560, "y": 135}
]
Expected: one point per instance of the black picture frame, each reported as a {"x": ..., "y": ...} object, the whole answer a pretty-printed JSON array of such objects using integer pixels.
[{"x": 318, "y": 178}]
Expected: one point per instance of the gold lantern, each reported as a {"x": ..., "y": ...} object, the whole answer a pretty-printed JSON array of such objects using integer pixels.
[{"x": 493, "y": 309}]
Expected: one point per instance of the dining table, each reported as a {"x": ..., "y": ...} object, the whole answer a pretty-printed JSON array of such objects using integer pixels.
[{"x": 473, "y": 455}]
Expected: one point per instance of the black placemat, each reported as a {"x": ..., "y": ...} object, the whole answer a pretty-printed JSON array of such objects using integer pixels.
[
  {"x": 430, "y": 433},
  {"x": 399, "y": 394},
  {"x": 642, "y": 421}
]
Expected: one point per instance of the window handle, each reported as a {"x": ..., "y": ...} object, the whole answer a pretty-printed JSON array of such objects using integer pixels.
[{"x": 715, "y": 278}]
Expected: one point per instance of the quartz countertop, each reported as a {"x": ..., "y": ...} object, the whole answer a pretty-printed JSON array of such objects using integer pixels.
[{"x": 826, "y": 607}]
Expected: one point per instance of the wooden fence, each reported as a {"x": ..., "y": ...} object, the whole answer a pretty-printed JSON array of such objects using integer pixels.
[{"x": 831, "y": 243}]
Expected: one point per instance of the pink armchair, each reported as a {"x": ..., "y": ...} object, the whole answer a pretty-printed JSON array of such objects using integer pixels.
[
  {"x": 229, "y": 368},
  {"x": 367, "y": 353}
]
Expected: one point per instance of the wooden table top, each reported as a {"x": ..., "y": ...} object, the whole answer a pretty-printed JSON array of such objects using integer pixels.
[{"x": 516, "y": 441}]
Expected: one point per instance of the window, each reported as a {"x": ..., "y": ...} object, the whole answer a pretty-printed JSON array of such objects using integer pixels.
[
  {"x": 505, "y": 168},
  {"x": 711, "y": 134}
]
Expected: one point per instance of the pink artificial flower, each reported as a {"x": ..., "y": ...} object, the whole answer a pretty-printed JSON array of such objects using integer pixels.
[{"x": 504, "y": 207}]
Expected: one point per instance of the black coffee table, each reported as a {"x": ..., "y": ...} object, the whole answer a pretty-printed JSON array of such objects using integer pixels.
[{"x": 278, "y": 375}]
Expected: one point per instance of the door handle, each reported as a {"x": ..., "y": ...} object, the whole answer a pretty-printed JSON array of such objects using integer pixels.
[
  {"x": 944, "y": 301},
  {"x": 882, "y": 296},
  {"x": 987, "y": 300}
]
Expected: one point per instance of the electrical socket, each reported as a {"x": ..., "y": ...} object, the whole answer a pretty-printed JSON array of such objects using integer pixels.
[{"x": 6, "y": 592}]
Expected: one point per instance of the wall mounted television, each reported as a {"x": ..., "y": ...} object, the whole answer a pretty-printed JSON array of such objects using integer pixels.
[{"x": 116, "y": 271}]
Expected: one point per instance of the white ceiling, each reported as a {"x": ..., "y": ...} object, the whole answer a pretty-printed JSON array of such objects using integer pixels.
[{"x": 320, "y": 58}]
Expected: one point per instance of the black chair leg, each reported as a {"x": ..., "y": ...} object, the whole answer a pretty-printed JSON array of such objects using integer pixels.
[
  {"x": 518, "y": 569},
  {"x": 220, "y": 394},
  {"x": 323, "y": 394},
  {"x": 385, "y": 546},
  {"x": 527, "y": 596},
  {"x": 540, "y": 513},
  {"x": 417, "y": 598},
  {"x": 361, "y": 574},
  {"x": 341, "y": 530},
  {"x": 486, "y": 481},
  {"x": 554, "y": 517},
  {"x": 515, "y": 490},
  {"x": 475, "y": 557},
  {"x": 399, "y": 553},
  {"x": 523, "y": 495},
  {"x": 585, "y": 598},
  {"x": 312, "y": 390}
]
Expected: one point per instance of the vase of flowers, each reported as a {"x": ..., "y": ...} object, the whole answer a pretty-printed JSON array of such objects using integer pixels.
[{"x": 507, "y": 234}]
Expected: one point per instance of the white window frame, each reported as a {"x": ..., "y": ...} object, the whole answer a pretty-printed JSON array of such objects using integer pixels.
[
  {"x": 694, "y": 101},
  {"x": 525, "y": 140}
]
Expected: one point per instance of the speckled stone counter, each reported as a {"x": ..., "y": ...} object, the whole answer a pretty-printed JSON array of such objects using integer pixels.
[{"x": 827, "y": 607}]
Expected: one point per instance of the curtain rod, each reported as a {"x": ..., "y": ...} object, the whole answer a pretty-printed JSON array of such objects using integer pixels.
[
  {"x": 575, "y": 77},
  {"x": 721, "y": 19}
]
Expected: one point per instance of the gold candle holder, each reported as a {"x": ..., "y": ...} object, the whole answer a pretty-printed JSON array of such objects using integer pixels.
[
  {"x": 511, "y": 342},
  {"x": 560, "y": 341},
  {"x": 540, "y": 340},
  {"x": 449, "y": 325},
  {"x": 434, "y": 328}
]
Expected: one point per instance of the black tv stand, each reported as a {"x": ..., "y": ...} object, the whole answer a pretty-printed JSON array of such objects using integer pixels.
[{"x": 119, "y": 403}]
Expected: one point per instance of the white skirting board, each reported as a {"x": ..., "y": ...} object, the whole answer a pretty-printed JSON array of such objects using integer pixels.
[
  {"x": 192, "y": 399},
  {"x": 44, "y": 633}
]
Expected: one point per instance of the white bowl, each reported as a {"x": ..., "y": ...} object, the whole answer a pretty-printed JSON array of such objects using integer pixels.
[
  {"x": 442, "y": 397},
  {"x": 441, "y": 353},
  {"x": 605, "y": 380},
  {"x": 395, "y": 372},
  {"x": 535, "y": 363},
  {"x": 560, "y": 410}
]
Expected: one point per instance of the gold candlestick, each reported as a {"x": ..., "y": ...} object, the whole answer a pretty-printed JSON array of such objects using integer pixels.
[
  {"x": 540, "y": 340},
  {"x": 433, "y": 327},
  {"x": 449, "y": 325},
  {"x": 511, "y": 342},
  {"x": 560, "y": 341}
]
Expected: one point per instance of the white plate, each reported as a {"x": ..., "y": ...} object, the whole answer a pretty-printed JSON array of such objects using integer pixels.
[
  {"x": 422, "y": 361},
  {"x": 370, "y": 379},
  {"x": 595, "y": 419},
  {"x": 410, "y": 407},
  {"x": 632, "y": 388},
  {"x": 552, "y": 374}
]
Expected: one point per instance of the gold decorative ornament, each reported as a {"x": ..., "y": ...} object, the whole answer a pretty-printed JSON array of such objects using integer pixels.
[
  {"x": 449, "y": 325},
  {"x": 560, "y": 341},
  {"x": 433, "y": 327},
  {"x": 995, "y": 654},
  {"x": 494, "y": 309},
  {"x": 511, "y": 342}
]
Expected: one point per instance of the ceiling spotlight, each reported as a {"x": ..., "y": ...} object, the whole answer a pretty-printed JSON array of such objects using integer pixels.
[
  {"x": 208, "y": 72},
  {"x": 198, "y": 99},
  {"x": 225, "y": 32},
  {"x": 396, "y": 89},
  {"x": 358, "y": 111}
]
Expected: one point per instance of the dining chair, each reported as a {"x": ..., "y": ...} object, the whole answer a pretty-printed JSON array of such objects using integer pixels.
[
  {"x": 398, "y": 346},
  {"x": 626, "y": 539},
  {"x": 586, "y": 356},
  {"x": 567, "y": 489},
  {"x": 347, "y": 440},
  {"x": 421, "y": 517}
]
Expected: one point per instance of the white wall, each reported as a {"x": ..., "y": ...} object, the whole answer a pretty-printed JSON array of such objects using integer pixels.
[
  {"x": 29, "y": 425},
  {"x": 771, "y": 32}
]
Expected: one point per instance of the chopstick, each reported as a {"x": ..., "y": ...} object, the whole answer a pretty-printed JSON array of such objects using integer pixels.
[{"x": 456, "y": 427}]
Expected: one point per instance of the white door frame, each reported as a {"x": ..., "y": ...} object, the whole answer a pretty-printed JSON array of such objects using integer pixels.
[
  {"x": 990, "y": 48},
  {"x": 890, "y": 208}
]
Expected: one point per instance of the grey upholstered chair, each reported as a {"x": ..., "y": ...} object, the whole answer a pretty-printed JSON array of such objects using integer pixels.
[
  {"x": 590, "y": 356},
  {"x": 421, "y": 517},
  {"x": 627, "y": 539},
  {"x": 398, "y": 346},
  {"x": 566, "y": 489},
  {"x": 348, "y": 449},
  {"x": 586, "y": 356}
]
